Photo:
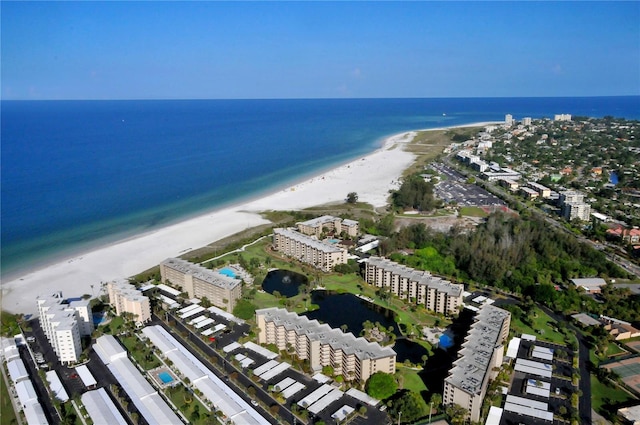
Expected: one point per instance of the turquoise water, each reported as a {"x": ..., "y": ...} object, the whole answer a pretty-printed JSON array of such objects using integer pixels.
[
  {"x": 227, "y": 272},
  {"x": 165, "y": 377},
  {"x": 445, "y": 341}
]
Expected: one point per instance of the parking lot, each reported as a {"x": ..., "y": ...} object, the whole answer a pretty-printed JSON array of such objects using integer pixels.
[{"x": 453, "y": 188}]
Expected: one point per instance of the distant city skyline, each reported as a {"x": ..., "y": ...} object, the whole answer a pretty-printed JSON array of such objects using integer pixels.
[{"x": 245, "y": 50}]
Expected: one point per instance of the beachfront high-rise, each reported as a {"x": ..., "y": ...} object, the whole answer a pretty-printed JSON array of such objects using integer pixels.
[
  {"x": 421, "y": 287},
  {"x": 308, "y": 249},
  {"x": 221, "y": 290},
  {"x": 481, "y": 352},
  {"x": 351, "y": 357},
  {"x": 127, "y": 299},
  {"x": 64, "y": 323}
]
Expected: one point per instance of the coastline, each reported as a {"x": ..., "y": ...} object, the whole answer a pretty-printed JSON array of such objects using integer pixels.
[{"x": 371, "y": 176}]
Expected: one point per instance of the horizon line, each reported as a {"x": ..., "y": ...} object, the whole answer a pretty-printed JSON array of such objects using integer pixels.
[{"x": 315, "y": 98}]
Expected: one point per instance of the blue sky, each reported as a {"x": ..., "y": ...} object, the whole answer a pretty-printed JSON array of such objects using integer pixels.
[{"x": 168, "y": 50}]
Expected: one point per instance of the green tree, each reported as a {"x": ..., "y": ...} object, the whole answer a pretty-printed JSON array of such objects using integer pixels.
[
  {"x": 457, "y": 414},
  {"x": 411, "y": 404},
  {"x": 381, "y": 385},
  {"x": 352, "y": 198}
]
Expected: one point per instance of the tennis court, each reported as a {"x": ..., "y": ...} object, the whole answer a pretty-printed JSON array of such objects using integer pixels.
[{"x": 628, "y": 370}]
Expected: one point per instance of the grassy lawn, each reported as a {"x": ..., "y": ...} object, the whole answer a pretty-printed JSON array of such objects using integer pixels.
[
  {"x": 472, "y": 212},
  {"x": 141, "y": 353},
  {"x": 187, "y": 404},
  {"x": 410, "y": 380},
  {"x": 543, "y": 327},
  {"x": 8, "y": 416},
  {"x": 614, "y": 349},
  {"x": 604, "y": 397}
]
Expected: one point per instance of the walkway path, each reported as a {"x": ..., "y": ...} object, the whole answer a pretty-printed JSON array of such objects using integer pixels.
[{"x": 241, "y": 249}]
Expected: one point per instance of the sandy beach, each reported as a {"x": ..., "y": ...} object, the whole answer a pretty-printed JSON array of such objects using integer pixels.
[{"x": 371, "y": 177}]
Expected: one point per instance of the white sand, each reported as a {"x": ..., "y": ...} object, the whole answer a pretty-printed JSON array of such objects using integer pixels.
[{"x": 371, "y": 177}]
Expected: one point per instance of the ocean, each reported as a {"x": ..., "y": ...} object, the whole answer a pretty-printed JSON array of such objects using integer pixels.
[{"x": 79, "y": 174}]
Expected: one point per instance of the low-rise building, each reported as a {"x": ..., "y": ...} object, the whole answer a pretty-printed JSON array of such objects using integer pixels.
[
  {"x": 308, "y": 249},
  {"x": 64, "y": 323},
  {"x": 351, "y": 357},
  {"x": 127, "y": 299},
  {"x": 481, "y": 352},
  {"x": 591, "y": 285},
  {"x": 543, "y": 191},
  {"x": 419, "y": 286},
  {"x": 198, "y": 282}
]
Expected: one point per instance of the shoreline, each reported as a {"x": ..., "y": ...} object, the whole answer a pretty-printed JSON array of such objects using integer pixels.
[{"x": 371, "y": 176}]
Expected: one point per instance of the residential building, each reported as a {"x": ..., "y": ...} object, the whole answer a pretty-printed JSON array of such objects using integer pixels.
[
  {"x": 351, "y": 357},
  {"x": 626, "y": 235},
  {"x": 127, "y": 299},
  {"x": 198, "y": 282},
  {"x": 64, "y": 323},
  {"x": 328, "y": 224},
  {"x": 509, "y": 184},
  {"x": 528, "y": 193},
  {"x": 543, "y": 191},
  {"x": 562, "y": 117},
  {"x": 571, "y": 196},
  {"x": 420, "y": 286},
  {"x": 481, "y": 352},
  {"x": 504, "y": 173},
  {"x": 591, "y": 285},
  {"x": 526, "y": 121},
  {"x": 307, "y": 249},
  {"x": 577, "y": 210},
  {"x": 508, "y": 120}
]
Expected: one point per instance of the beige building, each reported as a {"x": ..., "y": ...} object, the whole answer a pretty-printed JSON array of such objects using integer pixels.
[
  {"x": 481, "y": 352},
  {"x": 354, "y": 358},
  {"x": 199, "y": 282},
  {"x": 327, "y": 224},
  {"x": 543, "y": 191},
  {"x": 307, "y": 249},
  {"x": 127, "y": 299},
  {"x": 419, "y": 286},
  {"x": 64, "y": 324}
]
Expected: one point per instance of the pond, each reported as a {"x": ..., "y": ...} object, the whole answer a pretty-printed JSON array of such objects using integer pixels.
[
  {"x": 285, "y": 282},
  {"x": 347, "y": 309}
]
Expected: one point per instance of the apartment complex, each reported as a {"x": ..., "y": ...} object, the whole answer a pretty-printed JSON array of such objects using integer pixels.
[
  {"x": 351, "y": 357},
  {"x": 543, "y": 191},
  {"x": 64, "y": 323},
  {"x": 482, "y": 350},
  {"x": 327, "y": 224},
  {"x": 221, "y": 290},
  {"x": 308, "y": 249},
  {"x": 572, "y": 206},
  {"x": 433, "y": 292},
  {"x": 127, "y": 299}
]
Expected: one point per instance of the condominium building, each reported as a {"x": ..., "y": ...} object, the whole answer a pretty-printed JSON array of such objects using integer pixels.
[
  {"x": 508, "y": 120},
  {"x": 326, "y": 224},
  {"x": 420, "y": 286},
  {"x": 351, "y": 357},
  {"x": 127, "y": 299},
  {"x": 526, "y": 121},
  {"x": 64, "y": 323},
  {"x": 307, "y": 249},
  {"x": 481, "y": 352},
  {"x": 573, "y": 210},
  {"x": 221, "y": 290},
  {"x": 571, "y": 196},
  {"x": 562, "y": 117}
]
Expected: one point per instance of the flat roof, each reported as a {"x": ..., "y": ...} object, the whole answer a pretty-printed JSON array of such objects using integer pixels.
[
  {"x": 56, "y": 386},
  {"x": 233, "y": 346},
  {"x": 17, "y": 370},
  {"x": 362, "y": 396},
  {"x": 307, "y": 240},
  {"x": 284, "y": 384},
  {"x": 260, "y": 350},
  {"x": 272, "y": 373},
  {"x": 513, "y": 347},
  {"x": 319, "y": 221},
  {"x": 315, "y": 396},
  {"x": 342, "y": 412},
  {"x": 421, "y": 277},
  {"x": 494, "y": 416},
  {"x": 101, "y": 408},
  {"x": 197, "y": 271},
  {"x": 168, "y": 289},
  {"x": 34, "y": 414},
  {"x": 338, "y": 340},
  {"x": 472, "y": 367},
  {"x": 86, "y": 376},
  {"x": 293, "y": 390},
  {"x": 334, "y": 395},
  {"x": 585, "y": 319},
  {"x": 543, "y": 353}
]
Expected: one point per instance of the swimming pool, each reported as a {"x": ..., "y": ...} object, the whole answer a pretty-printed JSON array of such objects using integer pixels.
[
  {"x": 227, "y": 272},
  {"x": 165, "y": 377},
  {"x": 334, "y": 241}
]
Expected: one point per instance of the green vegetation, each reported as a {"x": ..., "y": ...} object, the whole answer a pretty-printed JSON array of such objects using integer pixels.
[
  {"x": 10, "y": 323},
  {"x": 408, "y": 379},
  {"x": 244, "y": 309},
  {"x": 415, "y": 193},
  {"x": 411, "y": 404},
  {"x": 189, "y": 405},
  {"x": 8, "y": 416},
  {"x": 140, "y": 352},
  {"x": 606, "y": 396},
  {"x": 534, "y": 322},
  {"x": 381, "y": 385},
  {"x": 473, "y": 212}
]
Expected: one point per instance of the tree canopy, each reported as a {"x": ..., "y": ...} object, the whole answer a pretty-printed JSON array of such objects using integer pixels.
[
  {"x": 381, "y": 385},
  {"x": 415, "y": 193},
  {"x": 411, "y": 404}
]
